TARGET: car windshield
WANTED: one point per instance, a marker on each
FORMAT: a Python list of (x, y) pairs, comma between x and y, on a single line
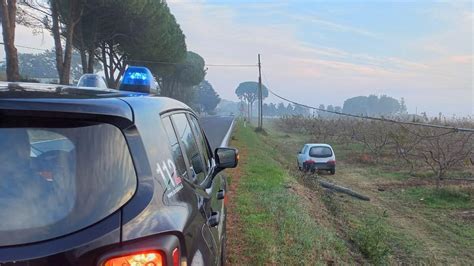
[(320, 152), (54, 181)]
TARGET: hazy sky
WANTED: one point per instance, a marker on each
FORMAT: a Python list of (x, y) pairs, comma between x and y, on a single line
[(325, 52)]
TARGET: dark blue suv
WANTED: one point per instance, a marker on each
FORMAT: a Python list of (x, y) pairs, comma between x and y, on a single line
[(107, 177)]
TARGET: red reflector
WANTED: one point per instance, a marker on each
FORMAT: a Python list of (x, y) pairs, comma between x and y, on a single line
[(176, 257), (331, 162), (138, 259)]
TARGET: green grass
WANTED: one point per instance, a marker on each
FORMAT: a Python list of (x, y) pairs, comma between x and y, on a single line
[(396, 227), (371, 236), (277, 229), (442, 198)]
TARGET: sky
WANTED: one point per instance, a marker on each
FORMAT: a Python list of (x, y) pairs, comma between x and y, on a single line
[(323, 52)]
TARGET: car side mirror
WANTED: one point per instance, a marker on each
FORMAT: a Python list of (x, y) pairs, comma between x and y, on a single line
[(226, 158)]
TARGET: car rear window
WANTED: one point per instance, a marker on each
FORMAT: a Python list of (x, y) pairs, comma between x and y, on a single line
[(320, 152), (57, 180)]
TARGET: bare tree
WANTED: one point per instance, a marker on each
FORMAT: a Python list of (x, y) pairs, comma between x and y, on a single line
[(446, 151), (8, 12), (374, 135)]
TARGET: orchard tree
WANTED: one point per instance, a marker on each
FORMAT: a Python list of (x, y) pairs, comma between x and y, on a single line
[(248, 91)]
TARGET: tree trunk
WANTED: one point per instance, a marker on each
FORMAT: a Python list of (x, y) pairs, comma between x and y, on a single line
[(326, 184), (90, 61), (8, 9), (65, 78), (248, 111), (57, 37), (105, 64), (82, 51)]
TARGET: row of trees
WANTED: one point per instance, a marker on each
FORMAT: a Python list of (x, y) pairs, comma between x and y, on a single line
[(274, 110), (360, 105), (416, 147), (373, 105), (114, 33)]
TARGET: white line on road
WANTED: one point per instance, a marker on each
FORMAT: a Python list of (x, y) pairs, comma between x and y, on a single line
[(225, 141)]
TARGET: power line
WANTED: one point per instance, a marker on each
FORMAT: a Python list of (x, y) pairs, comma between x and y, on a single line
[(27, 47), (183, 64), (370, 117), (150, 61)]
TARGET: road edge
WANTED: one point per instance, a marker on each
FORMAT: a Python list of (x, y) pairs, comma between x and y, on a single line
[(225, 141)]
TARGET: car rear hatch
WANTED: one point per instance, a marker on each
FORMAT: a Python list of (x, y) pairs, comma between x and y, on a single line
[(65, 172), (320, 154)]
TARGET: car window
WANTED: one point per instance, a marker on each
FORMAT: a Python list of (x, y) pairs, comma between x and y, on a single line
[(175, 149), (305, 149), (201, 140), (54, 181), (185, 135), (320, 152)]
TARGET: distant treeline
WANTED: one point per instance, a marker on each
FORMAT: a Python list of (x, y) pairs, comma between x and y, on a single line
[(361, 105)]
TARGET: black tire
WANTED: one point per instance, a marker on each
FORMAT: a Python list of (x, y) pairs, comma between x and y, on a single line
[(299, 167), (332, 171)]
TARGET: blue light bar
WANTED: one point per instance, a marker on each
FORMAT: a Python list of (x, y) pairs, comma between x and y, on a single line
[(138, 79)]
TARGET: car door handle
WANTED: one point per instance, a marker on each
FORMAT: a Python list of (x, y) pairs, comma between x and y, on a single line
[(213, 220), (221, 194)]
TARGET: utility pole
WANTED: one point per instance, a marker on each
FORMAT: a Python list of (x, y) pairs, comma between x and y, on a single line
[(260, 98)]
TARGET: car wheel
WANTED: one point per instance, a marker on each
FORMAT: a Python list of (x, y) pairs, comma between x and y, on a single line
[(299, 167), (332, 171)]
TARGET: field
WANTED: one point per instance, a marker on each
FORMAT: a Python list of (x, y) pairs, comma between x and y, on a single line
[(279, 215)]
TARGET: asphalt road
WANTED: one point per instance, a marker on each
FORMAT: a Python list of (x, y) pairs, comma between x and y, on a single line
[(216, 128)]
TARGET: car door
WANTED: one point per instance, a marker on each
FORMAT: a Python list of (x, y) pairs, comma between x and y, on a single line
[(301, 155), (198, 175), (215, 186)]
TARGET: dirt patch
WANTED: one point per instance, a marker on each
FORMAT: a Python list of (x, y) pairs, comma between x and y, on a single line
[(234, 229), (466, 215), (424, 183), (312, 202)]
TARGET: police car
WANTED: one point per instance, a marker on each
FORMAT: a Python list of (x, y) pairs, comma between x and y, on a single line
[(107, 177)]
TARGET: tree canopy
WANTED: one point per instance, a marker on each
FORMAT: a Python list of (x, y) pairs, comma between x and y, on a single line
[(116, 32), (179, 80), (248, 91), (207, 98), (372, 105)]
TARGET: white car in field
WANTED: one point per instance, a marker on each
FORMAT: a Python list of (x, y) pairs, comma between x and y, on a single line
[(317, 156)]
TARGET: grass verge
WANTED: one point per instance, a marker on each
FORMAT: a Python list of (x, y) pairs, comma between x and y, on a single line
[(275, 225)]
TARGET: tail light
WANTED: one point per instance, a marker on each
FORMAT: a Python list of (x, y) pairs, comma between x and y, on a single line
[(332, 162), (138, 259), (155, 258), (176, 257)]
